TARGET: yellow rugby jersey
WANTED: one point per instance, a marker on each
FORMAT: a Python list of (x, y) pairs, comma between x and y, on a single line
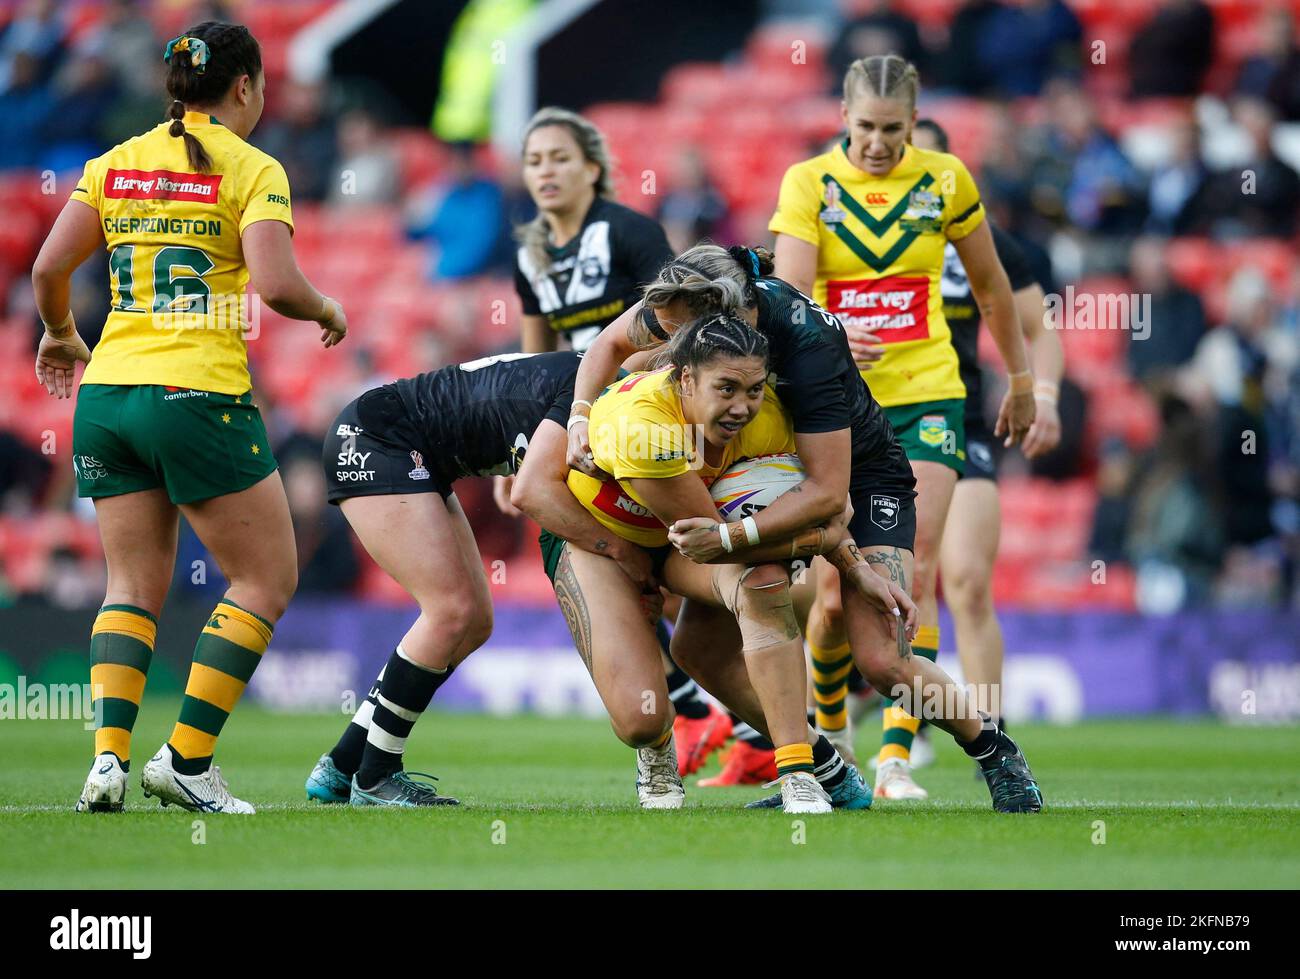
[(880, 243), (637, 431), (176, 263)]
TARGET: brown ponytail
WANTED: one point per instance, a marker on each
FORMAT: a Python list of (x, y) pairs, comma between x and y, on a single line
[(199, 159)]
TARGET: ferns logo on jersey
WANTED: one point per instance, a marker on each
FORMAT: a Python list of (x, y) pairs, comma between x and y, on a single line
[(884, 511), (896, 308), (161, 185)]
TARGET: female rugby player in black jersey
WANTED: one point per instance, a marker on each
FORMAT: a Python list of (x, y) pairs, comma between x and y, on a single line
[(390, 460), (848, 450)]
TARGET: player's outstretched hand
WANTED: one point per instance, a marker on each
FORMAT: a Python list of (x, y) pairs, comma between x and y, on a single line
[(334, 325), (887, 598), (501, 496), (1015, 417), (696, 538), (56, 363), (1044, 434)]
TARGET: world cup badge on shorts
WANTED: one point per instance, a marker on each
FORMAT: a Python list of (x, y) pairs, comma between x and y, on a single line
[(884, 511), (832, 213), (933, 429), (419, 472)]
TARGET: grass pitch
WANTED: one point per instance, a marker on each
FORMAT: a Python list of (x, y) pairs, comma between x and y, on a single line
[(551, 803)]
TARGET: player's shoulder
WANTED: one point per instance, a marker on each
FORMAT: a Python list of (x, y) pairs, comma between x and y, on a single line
[(937, 163), (623, 218), (251, 159)]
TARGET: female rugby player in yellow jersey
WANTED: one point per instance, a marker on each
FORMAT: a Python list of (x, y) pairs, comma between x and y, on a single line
[(862, 229), (165, 421), (664, 435)]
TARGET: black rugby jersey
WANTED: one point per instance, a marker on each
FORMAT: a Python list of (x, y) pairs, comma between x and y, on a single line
[(476, 418), (963, 315), (597, 275), (816, 378)]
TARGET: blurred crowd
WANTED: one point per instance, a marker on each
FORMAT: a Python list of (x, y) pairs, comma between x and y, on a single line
[(1099, 182)]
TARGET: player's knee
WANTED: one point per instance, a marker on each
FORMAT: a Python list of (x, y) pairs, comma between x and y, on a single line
[(457, 619), (763, 609), (882, 667), (830, 606), (638, 730), (967, 592), (269, 592)]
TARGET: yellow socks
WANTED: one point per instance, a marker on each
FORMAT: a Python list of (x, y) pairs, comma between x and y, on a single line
[(121, 646), (227, 653), (830, 673)]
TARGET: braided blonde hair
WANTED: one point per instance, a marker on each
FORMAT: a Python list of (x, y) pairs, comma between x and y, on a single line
[(888, 76)]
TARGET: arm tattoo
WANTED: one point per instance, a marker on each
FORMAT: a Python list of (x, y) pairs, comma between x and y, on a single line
[(574, 606)]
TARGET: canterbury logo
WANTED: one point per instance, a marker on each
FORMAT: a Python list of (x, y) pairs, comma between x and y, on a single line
[(216, 620), (876, 200)]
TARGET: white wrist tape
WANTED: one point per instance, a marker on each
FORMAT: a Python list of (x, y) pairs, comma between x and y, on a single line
[(751, 530), (725, 536)]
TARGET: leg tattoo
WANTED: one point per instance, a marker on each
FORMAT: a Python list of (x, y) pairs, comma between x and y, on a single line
[(574, 606)]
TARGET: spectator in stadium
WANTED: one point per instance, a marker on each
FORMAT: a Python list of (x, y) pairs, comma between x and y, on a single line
[(1173, 536), (369, 172), (693, 209), (25, 104), (327, 561), (1115, 474), (1177, 318), (1174, 184), (461, 217), (873, 28), (39, 32), (1022, 45), (1171, 53), (1274, 73), (960, 68), (1245, 367), (125, 38), (1078, 173), (24, 474), (305, 139), (74, 130), (1259, 197)]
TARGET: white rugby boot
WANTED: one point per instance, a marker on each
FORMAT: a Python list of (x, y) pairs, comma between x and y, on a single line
[(197, 793), (658, 783), (105, 789), (801, 794), (894, 781)]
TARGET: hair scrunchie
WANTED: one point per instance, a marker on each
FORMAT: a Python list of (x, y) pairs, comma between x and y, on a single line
[(748, 261), (193, 46)]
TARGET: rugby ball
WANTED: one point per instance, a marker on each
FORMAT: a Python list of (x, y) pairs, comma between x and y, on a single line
[(751, 485)]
